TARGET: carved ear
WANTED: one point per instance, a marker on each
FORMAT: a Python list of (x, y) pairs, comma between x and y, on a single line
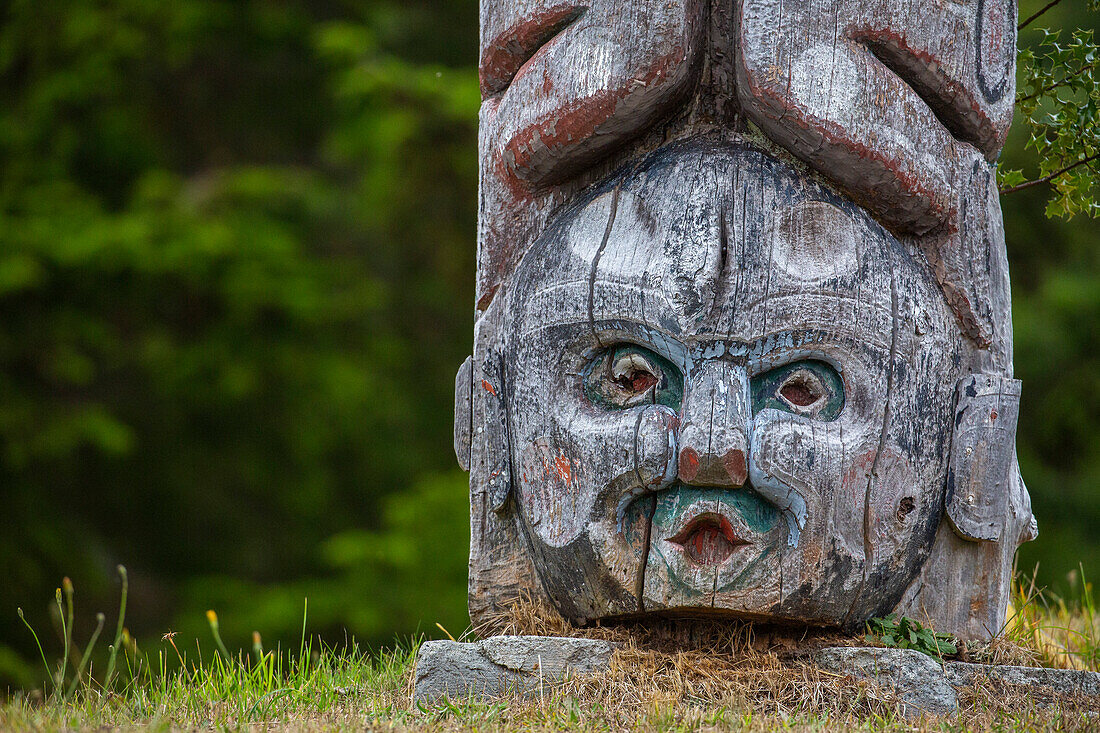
[(491, 454), (464, 412), (982, 471), (1029, 527), (481, 427)]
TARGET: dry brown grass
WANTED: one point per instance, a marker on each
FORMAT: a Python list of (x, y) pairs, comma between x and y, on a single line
[(690, 667), (673, 662)]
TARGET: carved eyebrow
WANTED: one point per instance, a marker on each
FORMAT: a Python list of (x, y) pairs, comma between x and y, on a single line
[(513, 47), (566, 304), (949, 101)]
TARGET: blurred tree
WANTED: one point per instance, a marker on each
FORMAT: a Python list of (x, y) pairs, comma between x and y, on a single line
[(235, 257), (1058, 108), (1051, 162)]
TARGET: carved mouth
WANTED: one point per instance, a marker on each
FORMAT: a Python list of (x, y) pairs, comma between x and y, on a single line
[(708, 539)]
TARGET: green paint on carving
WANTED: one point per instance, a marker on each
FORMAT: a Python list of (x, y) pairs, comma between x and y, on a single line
[(745, 575), (758, 513), (676, 584), (619, 392), (809, 380)]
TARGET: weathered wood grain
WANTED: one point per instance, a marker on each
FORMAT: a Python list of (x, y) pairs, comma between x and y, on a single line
[(739, 263), (564, 85)]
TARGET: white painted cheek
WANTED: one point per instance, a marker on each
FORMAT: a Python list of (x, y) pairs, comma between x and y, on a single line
[(552, 491), (606, 461), (799, 465), (772, 472)]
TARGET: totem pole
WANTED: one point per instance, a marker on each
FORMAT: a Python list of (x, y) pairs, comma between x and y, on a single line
[(743, 343)]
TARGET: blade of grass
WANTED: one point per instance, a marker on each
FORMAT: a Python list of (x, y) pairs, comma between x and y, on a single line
[(108, 679), (100, 618), (19, 612), (305, 615), (66, 628), (212, 619)]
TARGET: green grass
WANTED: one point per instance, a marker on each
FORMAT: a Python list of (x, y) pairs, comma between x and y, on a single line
[(316, 687), (356, 691), (322, 689), (1059, 631)]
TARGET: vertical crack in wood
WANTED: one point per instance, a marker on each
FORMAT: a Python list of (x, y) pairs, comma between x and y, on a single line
[(722, 287), (712, 450), (639, 581), (714, 586), (499, 499), (596, 262), (517, 506), (723, 251), (710, 420), (887, 414), (832, 74), (647, 538)]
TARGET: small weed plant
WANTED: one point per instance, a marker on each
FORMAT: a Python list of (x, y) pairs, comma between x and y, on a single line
[(902, 632)]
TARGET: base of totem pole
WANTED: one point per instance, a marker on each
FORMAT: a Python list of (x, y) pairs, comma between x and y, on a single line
[(527, 666)]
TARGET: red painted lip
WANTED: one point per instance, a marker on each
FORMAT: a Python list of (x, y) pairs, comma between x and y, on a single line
[(708, 539)]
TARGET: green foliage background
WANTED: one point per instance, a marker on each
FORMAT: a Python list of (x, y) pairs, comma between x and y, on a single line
[(236, 269)]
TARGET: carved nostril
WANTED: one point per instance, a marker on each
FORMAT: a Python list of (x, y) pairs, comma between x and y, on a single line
[(734, 461), (688, 465)]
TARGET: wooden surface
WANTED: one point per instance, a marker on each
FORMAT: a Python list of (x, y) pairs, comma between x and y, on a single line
[(740, 267)]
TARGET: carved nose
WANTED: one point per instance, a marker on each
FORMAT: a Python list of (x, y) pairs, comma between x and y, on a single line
[(710, 469), (715, 427)]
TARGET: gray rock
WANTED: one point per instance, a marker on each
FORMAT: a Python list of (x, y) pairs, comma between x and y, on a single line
[(503, 665), (927, 686), (916, 678), (1057, 681)]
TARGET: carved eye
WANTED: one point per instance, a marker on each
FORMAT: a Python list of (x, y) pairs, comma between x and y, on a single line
[(628, 375), (811, 388)]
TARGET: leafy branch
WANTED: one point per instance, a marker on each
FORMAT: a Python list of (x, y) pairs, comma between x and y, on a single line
[(1037, 14), (1092, 5), (1050, 177), (1059, 103)]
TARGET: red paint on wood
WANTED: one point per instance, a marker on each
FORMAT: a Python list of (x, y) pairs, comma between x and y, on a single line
[(567, 131), (563, 469), (734, 461), (510, 51), (689, 465)]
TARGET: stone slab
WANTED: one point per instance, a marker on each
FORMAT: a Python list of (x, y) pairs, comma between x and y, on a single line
[(503, 665), (928, 686), (522, 665), (917, 679)]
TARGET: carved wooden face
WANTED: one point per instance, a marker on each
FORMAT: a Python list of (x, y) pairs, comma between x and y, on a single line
[(727, 388)]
